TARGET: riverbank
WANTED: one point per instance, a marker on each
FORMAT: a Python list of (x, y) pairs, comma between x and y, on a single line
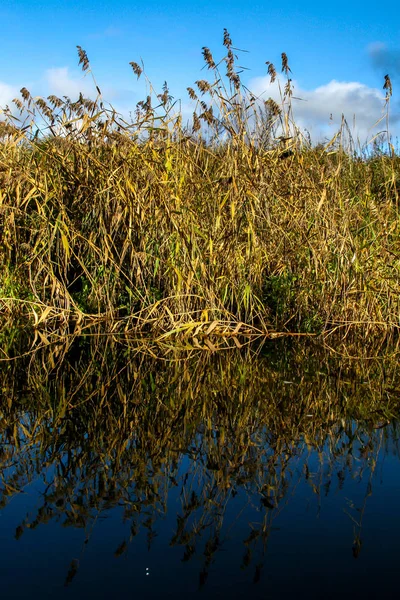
[(159, 226)]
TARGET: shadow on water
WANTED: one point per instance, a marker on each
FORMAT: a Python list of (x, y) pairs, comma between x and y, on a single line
[(230, 474)]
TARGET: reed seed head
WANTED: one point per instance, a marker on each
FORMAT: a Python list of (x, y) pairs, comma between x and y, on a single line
[(285, 66), (208, 58), (25, 94), (55, 101), (387, 86), (83, 59), (227, 39), (46, 110), (288, 88), (203, 86), (165, 97), (136, 69), (271, 71), (18, 104), (272, 107), (192, 93), (196, 126), (208, 116)]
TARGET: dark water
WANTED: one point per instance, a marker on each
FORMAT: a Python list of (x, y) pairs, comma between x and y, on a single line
[(222, 476)]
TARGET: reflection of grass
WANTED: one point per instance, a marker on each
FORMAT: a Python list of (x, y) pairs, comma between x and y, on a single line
[(115, 426), (236, 217)]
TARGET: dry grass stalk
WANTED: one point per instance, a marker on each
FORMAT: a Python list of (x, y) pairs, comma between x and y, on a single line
[(235, 214)]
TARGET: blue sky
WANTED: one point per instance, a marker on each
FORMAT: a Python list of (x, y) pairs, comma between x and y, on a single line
[(338, 52)]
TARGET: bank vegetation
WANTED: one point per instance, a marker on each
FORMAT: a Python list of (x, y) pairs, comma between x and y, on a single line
[(233, 220)]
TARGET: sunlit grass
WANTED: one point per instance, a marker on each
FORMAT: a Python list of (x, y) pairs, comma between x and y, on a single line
[(157, 226)]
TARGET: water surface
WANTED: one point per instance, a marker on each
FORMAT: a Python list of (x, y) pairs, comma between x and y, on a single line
[(268, 475)]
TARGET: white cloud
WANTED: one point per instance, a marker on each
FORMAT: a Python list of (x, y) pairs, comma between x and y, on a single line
[(62, 83), (320, 110), (7, 93)]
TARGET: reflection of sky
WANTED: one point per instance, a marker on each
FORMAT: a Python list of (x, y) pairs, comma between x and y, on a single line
[(308, 549)]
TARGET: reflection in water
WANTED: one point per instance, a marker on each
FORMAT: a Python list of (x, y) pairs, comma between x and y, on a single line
[(220, 472)]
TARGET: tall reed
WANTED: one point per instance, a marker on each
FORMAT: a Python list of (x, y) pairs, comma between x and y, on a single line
[(157, 225)]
